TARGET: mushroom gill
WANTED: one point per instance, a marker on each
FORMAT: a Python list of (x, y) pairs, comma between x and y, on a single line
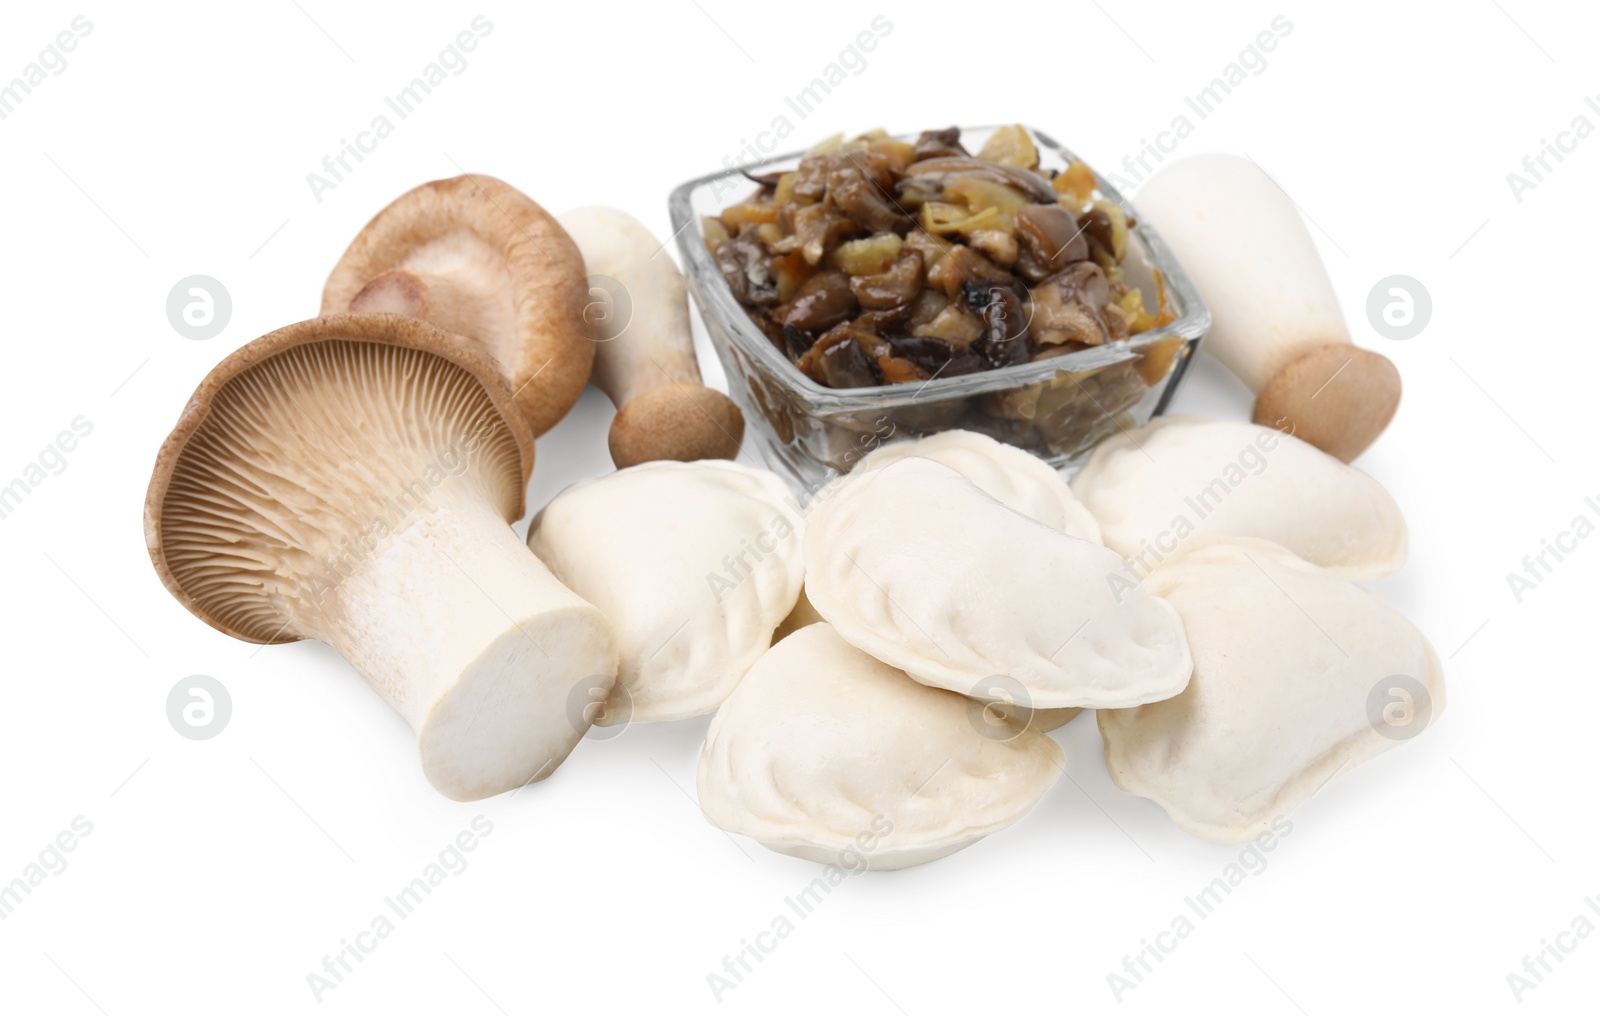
[(309, 458), (352, 479)]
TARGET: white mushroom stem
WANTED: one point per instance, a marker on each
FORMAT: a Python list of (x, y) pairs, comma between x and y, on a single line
[(1276, 321), (352, 479), (644, 360), (473, 641), (1241, 239)]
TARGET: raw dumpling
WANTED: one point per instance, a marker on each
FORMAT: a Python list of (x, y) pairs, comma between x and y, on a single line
[(1020, 481), (1155, 487), (694, 564), (921, 569), (1298, 675), (823, 752)]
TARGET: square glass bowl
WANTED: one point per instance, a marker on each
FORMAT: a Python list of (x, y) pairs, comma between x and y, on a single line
[(1058, 408)]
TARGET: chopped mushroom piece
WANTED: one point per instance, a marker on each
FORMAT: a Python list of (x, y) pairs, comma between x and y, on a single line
[(896, 286), (845, 365), (1070, 307), (1049, 239), (859, 197), (1005, 325), (939, 144), (819, 229), (747, 268), (955, 324), (936, 356), (950, 168), (822, 302), (964, 265), (1011, 146), (998, 245), (838, 361), (352, 479)]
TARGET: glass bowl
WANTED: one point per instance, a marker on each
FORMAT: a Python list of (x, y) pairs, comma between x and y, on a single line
[(1058, 408)]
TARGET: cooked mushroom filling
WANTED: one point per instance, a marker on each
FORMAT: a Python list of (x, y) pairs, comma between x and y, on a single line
[(879, 261)]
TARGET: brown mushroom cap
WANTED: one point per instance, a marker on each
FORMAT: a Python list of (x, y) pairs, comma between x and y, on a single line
[(679, 422), (476, 256), (296, 447), (1338, 397)]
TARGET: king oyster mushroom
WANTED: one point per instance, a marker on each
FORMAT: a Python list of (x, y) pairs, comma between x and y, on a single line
[(478, 257), (351, 479)]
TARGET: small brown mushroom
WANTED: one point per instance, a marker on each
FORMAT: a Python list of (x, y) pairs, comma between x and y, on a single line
[(477, 257), (646, 363)]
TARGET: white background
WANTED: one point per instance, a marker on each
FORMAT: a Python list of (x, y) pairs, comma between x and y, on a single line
[(219, 873)]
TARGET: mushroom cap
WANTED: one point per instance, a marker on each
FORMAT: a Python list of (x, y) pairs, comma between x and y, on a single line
[(505, 255), (1338, 397), (678, 422), (259, 474)]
